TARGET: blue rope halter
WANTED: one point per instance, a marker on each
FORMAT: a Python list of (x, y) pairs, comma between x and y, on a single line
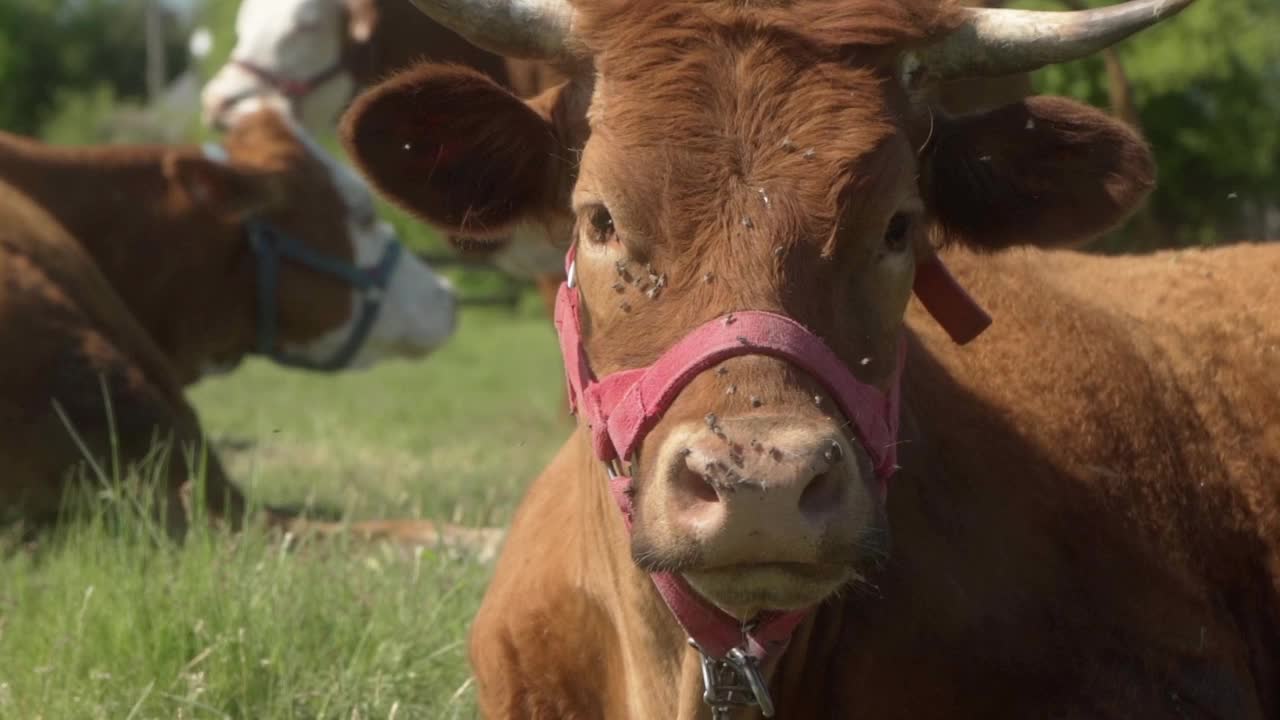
[(271, 246)]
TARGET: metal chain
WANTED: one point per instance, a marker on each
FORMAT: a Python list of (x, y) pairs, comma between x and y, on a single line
[(732, 682)]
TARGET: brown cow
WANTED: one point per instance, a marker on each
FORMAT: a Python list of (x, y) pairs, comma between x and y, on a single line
[(1083, 504), (144, 266)]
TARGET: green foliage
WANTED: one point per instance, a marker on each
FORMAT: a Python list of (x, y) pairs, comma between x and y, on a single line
[(52, 48), (458, 437), (1206, 85), (97, 115), (220, 17), (111, 620)]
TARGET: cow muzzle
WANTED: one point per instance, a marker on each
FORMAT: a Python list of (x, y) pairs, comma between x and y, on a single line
[(774, 509)]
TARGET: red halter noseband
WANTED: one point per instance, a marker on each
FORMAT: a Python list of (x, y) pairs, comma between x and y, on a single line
[(294, 90), (622, 408), (290, 88)]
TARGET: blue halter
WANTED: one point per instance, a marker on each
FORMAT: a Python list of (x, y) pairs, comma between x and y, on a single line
[(270, 246)]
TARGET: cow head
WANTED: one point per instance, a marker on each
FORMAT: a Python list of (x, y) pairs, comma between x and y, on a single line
[(721, 157), (293, 49), (315, 240)]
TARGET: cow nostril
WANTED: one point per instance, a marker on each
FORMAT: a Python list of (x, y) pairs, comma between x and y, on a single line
[(822, 493), (697, 484)]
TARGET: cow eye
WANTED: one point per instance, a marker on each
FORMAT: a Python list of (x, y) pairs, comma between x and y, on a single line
[(895, 236), (601, 224)]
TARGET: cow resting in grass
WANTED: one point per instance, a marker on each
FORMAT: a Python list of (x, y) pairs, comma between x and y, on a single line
[(783, 459), (128, 272)]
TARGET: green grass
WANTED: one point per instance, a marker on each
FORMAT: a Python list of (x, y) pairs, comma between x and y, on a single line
[(103, 620), (455, 436)]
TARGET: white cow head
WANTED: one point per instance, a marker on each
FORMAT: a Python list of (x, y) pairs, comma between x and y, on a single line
[(409, 312), (292, 49)]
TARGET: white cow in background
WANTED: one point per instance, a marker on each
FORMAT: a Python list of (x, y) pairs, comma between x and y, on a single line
[(313, 55)]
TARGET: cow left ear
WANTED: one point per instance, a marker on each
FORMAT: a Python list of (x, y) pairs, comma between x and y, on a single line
[(1043, 171), (225, 191), (362, 16), (449, 145)]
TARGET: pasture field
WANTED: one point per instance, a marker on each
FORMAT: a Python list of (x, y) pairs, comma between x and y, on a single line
[(102, 621)]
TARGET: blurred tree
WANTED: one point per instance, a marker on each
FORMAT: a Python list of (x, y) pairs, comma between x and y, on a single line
[(220, 17), (1206, 90), (51, 49)]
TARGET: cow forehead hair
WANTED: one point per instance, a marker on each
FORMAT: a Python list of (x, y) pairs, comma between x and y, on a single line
[(710, 119), (637, 29)]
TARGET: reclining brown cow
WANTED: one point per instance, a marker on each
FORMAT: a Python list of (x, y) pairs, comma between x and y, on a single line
[(1083, 504), (150, 267)]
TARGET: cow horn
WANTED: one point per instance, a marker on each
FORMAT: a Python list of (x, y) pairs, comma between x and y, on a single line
[(996, 41), (525, 29)]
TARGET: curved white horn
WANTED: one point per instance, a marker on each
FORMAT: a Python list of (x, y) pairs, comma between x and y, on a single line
[(993, 42), (526, 29)]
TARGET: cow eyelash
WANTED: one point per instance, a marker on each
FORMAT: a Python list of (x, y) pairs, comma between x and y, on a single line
[(600, 225), (897, 234)]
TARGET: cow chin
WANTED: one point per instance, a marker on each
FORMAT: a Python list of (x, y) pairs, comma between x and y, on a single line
[(745, 591), (745, 588)]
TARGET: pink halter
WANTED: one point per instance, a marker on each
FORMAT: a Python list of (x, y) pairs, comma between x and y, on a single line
[(620, 409)]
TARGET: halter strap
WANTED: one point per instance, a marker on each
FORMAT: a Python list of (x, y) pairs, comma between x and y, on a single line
[(293, 89), (270, 247)]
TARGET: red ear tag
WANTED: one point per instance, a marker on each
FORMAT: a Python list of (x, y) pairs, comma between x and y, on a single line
[(954, 309)]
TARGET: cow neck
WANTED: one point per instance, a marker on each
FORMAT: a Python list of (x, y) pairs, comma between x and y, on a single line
[(117, 203)]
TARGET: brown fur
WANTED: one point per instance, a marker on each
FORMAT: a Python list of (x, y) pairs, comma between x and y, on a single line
[(1085, 522), (186, 219), (126, 270)]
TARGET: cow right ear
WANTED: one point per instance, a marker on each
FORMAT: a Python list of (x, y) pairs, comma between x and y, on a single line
[(455, 149), (1043, 171), (227, 192)]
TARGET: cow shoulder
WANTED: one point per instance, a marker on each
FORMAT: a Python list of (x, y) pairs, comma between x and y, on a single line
[(540, 631), (1107, 461)]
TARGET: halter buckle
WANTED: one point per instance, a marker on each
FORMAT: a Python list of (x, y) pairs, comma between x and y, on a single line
[(614, 469), (734, 681)]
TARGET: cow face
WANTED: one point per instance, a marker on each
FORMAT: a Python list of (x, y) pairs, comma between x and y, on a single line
[(292, 49), (725, 158), (269, 171)]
